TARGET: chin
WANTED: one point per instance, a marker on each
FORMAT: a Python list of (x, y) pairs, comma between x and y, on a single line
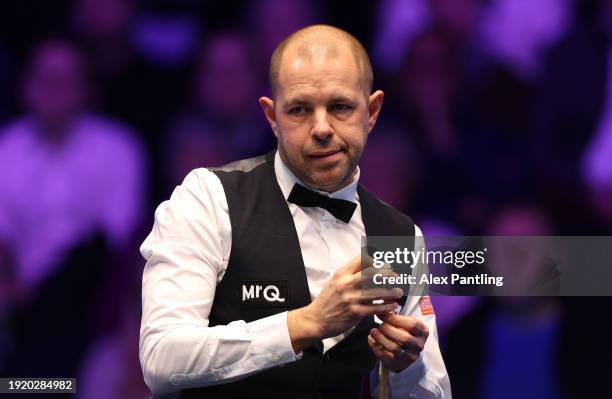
[(328, 183)]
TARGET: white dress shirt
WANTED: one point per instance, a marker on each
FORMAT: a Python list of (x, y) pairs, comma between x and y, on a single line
[(187, 253)]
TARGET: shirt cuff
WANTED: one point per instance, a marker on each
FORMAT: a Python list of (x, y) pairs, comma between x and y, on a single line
[(271, 341)]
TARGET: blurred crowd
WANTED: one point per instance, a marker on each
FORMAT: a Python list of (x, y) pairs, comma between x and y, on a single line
[(497, 120)]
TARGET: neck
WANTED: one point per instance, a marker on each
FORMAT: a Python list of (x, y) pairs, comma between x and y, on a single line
[(54, 130)]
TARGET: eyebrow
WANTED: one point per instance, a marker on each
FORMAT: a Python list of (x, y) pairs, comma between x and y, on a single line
[(295, 101), (339, 98)]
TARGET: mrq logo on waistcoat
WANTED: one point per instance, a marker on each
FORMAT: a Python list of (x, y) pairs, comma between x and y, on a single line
[(262, 293)]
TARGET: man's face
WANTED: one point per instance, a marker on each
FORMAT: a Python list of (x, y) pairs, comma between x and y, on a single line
[(321, 116), (224, 82), (54, 88)]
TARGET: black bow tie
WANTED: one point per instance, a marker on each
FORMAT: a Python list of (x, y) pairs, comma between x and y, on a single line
[(341, 209)]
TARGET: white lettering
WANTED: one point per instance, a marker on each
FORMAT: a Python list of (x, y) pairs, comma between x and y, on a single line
[(248, 293), (275, 296)]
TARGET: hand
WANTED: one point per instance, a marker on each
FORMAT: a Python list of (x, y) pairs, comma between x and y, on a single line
[(340, 305), (398, 341)]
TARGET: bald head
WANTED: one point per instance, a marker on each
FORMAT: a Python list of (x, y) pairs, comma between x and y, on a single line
[(319, 43)]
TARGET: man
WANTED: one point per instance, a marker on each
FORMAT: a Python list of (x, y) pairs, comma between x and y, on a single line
[(252, 283), (68, 172), (72, 184)]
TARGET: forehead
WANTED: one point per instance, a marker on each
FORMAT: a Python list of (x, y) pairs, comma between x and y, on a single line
[(319, 73)]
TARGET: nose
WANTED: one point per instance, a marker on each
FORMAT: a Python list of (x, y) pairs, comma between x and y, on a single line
[(322, 129)]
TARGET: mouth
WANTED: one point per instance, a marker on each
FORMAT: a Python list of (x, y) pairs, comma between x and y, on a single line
[(324, 155)]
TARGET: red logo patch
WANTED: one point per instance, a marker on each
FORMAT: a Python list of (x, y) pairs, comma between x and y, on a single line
[(426, 306)]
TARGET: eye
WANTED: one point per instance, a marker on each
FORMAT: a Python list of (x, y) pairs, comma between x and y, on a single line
[(300, 110), (341, 107)]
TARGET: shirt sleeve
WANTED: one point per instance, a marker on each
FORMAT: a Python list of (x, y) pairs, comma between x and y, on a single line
[(187, 253), (427, 377)]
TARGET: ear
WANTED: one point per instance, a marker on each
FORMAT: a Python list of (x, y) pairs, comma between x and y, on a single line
[(267, 106), (374, 105)]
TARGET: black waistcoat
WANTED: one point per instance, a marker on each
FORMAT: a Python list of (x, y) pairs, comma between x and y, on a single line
[(265, 247)]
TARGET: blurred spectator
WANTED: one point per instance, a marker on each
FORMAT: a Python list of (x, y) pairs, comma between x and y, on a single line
[(72, 193), (7, 300), (166, 32), (388, 168), (520, 278), (111, 368), (429, 82), (468, 161), (449, 309), (104, 28), (529, 347), (399, 22), (596, 163), (131, 83), (274, 20), (52, 329), (597, 159), (223, 122), (570, 111), (518, 32), (189, 147), (224, 85), (6, 103), (67, 172), (427, 87), (457, 18)]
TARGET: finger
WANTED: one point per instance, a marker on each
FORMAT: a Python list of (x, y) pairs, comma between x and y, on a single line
[(386, 343), (385, 271), (366, 262), (379, 278), (351, 286), (388, 358), (402, 338), (372, 294), (368, 310), (359, 280), (352, 267), (347, 280), (379, 351), (411, 324), (365, 278)]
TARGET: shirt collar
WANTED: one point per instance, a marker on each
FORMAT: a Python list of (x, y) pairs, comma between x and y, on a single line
[(286, 179)]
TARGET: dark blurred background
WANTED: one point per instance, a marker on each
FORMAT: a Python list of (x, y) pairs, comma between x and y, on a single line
[(497, 120)]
